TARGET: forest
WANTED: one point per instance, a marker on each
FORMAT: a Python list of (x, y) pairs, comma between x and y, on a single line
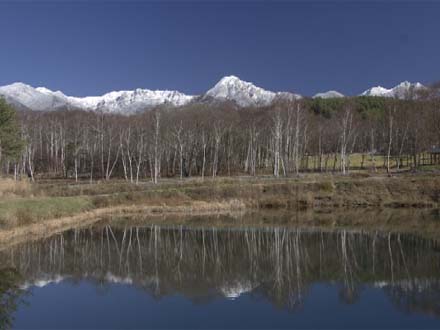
[(209, 140)]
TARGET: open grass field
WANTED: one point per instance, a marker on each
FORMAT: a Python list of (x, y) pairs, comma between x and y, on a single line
[(366, 162)]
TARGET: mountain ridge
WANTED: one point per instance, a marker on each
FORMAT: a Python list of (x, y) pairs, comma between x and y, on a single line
[(229, 88), (400, 91)]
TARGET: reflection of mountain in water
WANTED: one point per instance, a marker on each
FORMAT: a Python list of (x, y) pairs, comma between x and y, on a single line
[(202, 264)]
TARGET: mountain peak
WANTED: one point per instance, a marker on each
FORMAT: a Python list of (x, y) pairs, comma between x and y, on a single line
[(229, 88), (17, 86), (234, 81), (405, 83), (44, 99), (228, 79), (232, 88), (400, 91), (44, 90), (376, 91)]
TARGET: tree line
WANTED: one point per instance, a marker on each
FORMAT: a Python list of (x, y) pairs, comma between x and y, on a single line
[(286, 138)]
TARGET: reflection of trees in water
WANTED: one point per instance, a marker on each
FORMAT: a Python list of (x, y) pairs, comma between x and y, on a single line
[(10, 296), (416, 296), (279, 264)]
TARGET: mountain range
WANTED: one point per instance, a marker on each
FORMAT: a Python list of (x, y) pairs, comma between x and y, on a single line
[(229, 88)]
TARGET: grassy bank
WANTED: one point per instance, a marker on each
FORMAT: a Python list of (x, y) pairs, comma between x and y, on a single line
[(50, 199), (30, 210)]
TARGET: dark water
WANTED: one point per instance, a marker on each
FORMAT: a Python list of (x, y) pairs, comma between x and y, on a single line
[(116, 276)]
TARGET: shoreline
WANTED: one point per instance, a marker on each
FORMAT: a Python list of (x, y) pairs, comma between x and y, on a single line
[(423, 223), (71, 205), (53, 226)]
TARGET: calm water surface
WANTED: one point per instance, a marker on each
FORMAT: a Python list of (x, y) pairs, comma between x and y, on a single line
[(120, 276)]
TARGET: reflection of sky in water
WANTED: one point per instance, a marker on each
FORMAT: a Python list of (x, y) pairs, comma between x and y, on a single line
[(125, 306), (156, 277)]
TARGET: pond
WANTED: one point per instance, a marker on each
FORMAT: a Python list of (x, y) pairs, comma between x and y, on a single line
[(138, 275)]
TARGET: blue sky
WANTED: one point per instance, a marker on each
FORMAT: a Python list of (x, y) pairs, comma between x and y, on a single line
[(92, 47)]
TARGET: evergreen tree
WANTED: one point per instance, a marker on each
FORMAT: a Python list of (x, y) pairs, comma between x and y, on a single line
[(10, 141)]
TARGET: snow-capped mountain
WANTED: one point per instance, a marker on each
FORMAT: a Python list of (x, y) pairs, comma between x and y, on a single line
[(25, 96), (41, 99), (328, 95), (229, 89), (243, 93), (131, 101), (403, 90)]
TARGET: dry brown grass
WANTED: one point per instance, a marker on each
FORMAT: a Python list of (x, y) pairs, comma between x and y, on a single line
[(296, 193), (12, 188), (36, 230)]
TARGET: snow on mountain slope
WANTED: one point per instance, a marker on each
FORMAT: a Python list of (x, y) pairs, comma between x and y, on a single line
[(229, 88), (403, 90), (328, 95), (127, 102), (130, 101), (244, 93), (26, 96)]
